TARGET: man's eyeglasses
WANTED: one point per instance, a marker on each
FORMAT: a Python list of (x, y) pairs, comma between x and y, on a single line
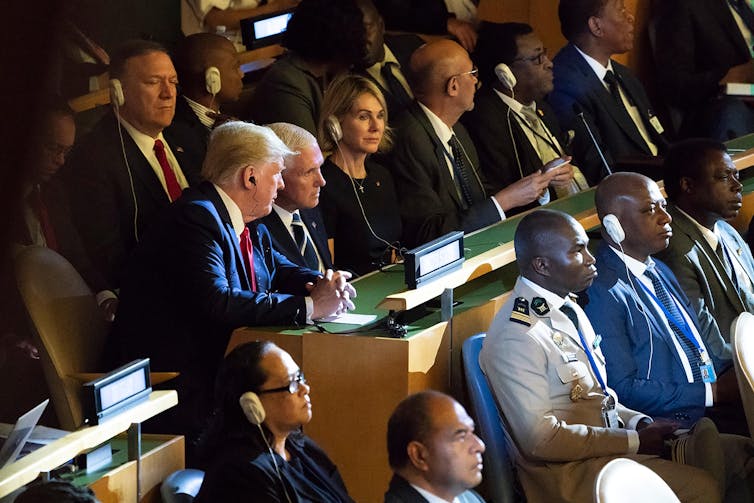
[(291, 388), (474, 72), (537, 60), (57, 150)]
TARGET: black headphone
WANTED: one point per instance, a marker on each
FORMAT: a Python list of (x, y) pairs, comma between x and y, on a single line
[(253, 180)]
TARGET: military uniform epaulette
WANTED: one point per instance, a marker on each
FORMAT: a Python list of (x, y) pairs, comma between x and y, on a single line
[(520, 312)]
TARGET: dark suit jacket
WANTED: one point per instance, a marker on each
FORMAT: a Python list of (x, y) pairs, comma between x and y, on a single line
[(487, 124), (615, 313), (400, 491), (55, 199), (429, 201), (287, 93), (615, 132), (701, 273), (187, 132), (284, 243), (420, 16), (697, 42), (186, 290), (102, 199)]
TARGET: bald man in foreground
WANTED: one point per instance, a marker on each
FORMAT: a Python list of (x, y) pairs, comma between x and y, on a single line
[(548, 377), (435, 163)]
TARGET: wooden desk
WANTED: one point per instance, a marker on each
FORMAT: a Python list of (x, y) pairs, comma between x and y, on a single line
[(357, 380), (51, 456)]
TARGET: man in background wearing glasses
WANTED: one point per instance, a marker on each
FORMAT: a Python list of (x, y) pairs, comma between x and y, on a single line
[(434, 162), (611, 98), (517, 135)]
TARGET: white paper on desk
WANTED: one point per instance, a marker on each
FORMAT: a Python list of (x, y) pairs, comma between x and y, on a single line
[(350, 319)]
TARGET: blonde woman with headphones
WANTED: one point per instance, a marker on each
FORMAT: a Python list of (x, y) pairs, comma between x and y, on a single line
[(359, 203), (254, 449)]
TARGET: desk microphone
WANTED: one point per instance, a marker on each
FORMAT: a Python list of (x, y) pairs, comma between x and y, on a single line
[(580, 113)]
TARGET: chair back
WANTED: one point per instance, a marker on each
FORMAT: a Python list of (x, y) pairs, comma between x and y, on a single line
[(498, 466), (182, 486), (742, 340), (623, 480), (70, 330)]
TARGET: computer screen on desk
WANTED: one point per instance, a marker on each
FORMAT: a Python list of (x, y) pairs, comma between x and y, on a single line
[(268, 29), (20, 434)]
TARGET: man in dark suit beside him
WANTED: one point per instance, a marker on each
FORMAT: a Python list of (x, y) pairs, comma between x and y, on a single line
[(611, 98), (713, 263), (433, 451), (295, 223), (210, 76), (434, 162), (699, 47), (126, 172), (516, 133), (663, 357), (208, 268)]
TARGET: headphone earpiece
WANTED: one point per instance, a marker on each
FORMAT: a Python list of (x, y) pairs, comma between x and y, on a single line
[(332, 124), (613, 228), (252, 407), (116, 93), (252, 180), (212, 80), (505, 76)]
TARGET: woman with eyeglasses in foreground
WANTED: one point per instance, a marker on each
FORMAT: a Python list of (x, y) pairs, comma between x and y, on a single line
[(254, 449)]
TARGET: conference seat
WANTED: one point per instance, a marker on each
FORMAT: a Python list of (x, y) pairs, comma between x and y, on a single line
[(742, 340), (499, 475), (623, 480)]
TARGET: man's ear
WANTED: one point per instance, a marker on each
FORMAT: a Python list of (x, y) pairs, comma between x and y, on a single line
[(541, 266), (686, 184), (417, 455), (248, 178), (451, 87), (595, 26)]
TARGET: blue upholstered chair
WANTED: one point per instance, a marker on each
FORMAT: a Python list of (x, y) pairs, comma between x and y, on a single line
[(498, 467), (182, 486)]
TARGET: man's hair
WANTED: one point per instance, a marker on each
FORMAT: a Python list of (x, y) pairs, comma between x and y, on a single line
[(236, 144), (295, 137), (131, 49), (340, 96), (688, 158), (411, 421), (327, 30), (534, 232), (497, 43), (192, 57), (574, 16), (56, 491)]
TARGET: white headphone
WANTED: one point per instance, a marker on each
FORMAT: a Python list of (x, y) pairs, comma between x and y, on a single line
[(613, 228), (252, 408), (332, 125), (212, 81), (116, 93), (505, 76)]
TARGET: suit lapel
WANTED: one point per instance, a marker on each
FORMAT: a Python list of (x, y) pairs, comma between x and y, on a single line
[(440, 154), (283, 238), (721, 14), (142, 171), (314, 224), (686, 226)]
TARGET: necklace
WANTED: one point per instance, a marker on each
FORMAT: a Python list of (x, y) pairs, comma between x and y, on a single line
[(360, 183)]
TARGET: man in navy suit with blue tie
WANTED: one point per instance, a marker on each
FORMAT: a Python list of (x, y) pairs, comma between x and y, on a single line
[(208, 268), (661, 357)]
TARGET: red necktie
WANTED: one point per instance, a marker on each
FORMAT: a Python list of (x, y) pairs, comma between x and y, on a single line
[(248, 256), (40, 211), (171, 182)]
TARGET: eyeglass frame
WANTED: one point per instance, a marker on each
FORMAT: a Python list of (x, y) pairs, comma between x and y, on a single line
[(538, 59), (292, 387), (474, 72)]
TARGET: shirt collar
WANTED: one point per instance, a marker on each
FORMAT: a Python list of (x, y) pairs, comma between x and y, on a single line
[(143, 141), (431, 498), (201, 112), (636, 267), (236, 218), (388, 59), (442, 130), (512, 103), (285, 215), (596, 66), (553, 300)]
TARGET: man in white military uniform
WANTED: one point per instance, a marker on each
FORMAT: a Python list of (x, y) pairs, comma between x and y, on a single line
[(542, 359)]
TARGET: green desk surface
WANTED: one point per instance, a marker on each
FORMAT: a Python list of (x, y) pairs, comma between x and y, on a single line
[(120, 457)]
